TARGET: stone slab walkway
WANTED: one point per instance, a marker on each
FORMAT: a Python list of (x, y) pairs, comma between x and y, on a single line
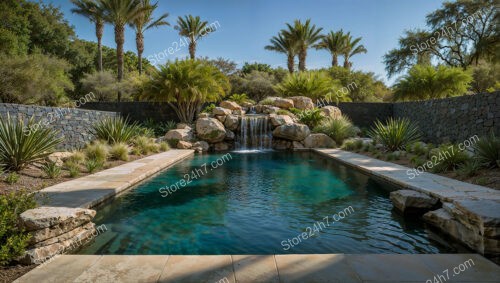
[(343, 268), (444, 188), (89, 191)]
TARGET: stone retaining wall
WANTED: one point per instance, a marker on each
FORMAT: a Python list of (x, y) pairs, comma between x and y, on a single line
[(137, 111), (72, 123)]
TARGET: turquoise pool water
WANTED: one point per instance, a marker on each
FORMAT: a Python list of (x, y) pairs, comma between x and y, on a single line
[(259, 203)]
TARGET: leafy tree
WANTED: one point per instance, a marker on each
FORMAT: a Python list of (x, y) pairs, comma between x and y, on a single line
[(194, 29), (351, 48), (427, 82), (34, 79), (90, 10), (103, 85), (335, 43), (14, 28), (120, 13), (261, 67), (359, 86), (186, 85), (486, 77), (226, 66), (304, 35), (459, 34), (144, 22), (286, 45), (257, 84)]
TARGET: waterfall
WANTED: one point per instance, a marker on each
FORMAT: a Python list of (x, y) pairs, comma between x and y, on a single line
[(255, 133)]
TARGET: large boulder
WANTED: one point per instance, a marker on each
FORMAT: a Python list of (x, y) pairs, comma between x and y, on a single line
[(413, 202), (319, 141), (266, 109), (184, 145), (183, 126), (230, 105), (283, 103), (230, 135), (302, 102), (210, 130), (280, 144), (221, 111), (185, 134), (201, 146), (278, 120), (232, 122), (331, 111), (221, 146), (294, 132)]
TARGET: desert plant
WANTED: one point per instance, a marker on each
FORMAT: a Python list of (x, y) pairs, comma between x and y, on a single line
[(240, 98), (487, 151), (51, 169), (209, 108), (93, 164), (119, 151), (313, 84), (469, 168), (267, 101), (159, 128), (78, 157), (13, 238), (97, 151), (417, 161), (311, 117), (115, 130), (448, 157), (395, 133), (12, 178), (73, 169), (144, 145), (163, 146), (348, 145), (337, 129), (24, 142)]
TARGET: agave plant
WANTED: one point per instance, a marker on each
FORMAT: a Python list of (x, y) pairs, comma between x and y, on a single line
[(115, 130), (487, 151), (395, 133), (24, 142)]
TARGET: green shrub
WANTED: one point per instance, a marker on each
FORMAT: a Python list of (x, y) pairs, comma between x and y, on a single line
[(311, 117), (313, 84), (417, 161), (395, 133), (77, 157), (240, 98), (51, 169), (267, 101), (448, 157), (209, 108), (348, 145), (13, 238), (12, 178), (338, 129), (73, 168), (97, 151), (295, 111), (159, 128), (163, 146), (119, 151), (144, 145), (418, 148), (115, 129), (24, 142), (487, 151), (93, 164), (469, 168)]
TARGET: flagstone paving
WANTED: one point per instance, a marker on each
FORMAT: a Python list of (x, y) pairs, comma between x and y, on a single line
[(93, 189), (343, 268)]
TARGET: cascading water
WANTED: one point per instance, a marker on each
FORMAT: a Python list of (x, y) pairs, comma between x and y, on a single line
[(255, 133)]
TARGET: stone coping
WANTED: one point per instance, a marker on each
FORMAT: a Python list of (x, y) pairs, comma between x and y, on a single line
[(91, 190), (343, 268), (446, 189)]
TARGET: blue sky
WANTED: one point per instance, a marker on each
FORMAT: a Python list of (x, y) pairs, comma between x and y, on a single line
[(247, 25)]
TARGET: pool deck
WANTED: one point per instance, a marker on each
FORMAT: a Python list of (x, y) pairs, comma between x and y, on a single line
[(91, 190), (446, 189), (343, 268)]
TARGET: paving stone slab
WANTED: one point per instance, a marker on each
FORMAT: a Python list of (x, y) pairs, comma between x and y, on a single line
[(255, 268), (191, 269)]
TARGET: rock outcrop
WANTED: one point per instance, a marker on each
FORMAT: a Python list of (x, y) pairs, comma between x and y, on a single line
[(302, 102), (293, 132), (331, 112), (185, 134), (319, 141), (210, 130)]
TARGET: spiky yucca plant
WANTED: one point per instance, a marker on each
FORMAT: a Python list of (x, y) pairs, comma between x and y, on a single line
[(115, 130), (395, 133), (487, 151), (24, 142)]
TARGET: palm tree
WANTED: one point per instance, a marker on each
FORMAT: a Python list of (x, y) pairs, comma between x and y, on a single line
[(89, 9), (351, 48), (192, 28), (305, 35), (335, 43), (286, 45), (144, 22), (120, 13)]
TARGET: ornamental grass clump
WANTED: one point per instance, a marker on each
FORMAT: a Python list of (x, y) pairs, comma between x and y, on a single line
[(119, 151), (337, 129), (97, 151), (395, 133), (23, 142)]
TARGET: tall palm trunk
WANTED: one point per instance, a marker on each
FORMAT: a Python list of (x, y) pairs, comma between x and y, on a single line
[(120, 40), (347, 65), (99, 30), (192, 49), (335, 60), (290, 62), (302, 60), (139, 41)]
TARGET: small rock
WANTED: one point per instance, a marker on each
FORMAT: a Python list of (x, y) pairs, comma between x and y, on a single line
[(221, 111), (283, 103), (230, 105), (185, 134), (59, 157), (413, 202), (184, 145), (221, 146)]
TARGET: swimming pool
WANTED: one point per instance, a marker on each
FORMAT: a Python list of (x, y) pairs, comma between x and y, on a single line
[(260, 203)]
